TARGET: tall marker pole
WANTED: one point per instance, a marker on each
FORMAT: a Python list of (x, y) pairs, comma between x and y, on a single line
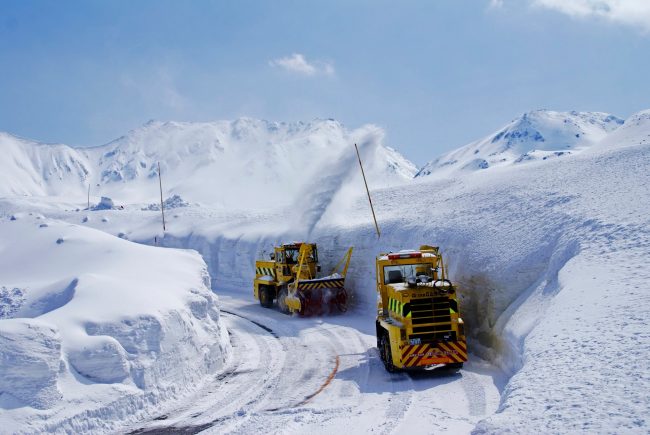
[(162, 207), (367, 191), (88, 196)]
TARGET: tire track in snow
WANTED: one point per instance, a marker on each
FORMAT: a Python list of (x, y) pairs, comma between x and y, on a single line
[(221, 397), (398, 401), (301, 367), (475, 394)]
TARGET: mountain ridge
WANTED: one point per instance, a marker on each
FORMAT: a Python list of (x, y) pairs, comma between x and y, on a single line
[(255, 160), (535, 135)]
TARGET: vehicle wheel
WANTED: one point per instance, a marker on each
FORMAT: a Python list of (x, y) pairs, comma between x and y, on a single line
[(455, 366), (266, 300), (282, 300), (386, 354)]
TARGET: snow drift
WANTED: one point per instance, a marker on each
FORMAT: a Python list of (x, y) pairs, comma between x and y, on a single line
[(95, 329)]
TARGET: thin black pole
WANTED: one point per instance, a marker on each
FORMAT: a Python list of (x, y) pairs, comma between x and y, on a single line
[(162, 207), (368, 192)]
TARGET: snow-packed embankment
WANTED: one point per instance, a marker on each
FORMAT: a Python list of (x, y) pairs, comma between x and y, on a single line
[(95, 330)]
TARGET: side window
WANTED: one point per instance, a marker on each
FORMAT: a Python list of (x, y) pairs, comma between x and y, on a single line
[(393, 274), (279, 257)]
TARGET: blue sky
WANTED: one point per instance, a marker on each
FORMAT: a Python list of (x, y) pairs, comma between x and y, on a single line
[(435, 74)]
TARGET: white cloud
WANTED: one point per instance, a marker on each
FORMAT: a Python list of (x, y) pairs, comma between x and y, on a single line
[(629, 12), (496, 3), (298, 64)]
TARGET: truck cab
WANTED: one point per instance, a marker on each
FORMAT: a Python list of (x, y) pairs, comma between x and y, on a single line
[(418, 322), (272, 275)]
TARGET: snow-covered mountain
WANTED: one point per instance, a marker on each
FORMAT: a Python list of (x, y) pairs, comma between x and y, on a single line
[(237, 162), (635, 131), (227, 163), (32, 168), (536, 135)]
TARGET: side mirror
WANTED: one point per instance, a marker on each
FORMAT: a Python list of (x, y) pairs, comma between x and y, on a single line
[(272, 255)]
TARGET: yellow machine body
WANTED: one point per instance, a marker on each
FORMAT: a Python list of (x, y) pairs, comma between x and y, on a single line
[(418, 324), (290, 278)]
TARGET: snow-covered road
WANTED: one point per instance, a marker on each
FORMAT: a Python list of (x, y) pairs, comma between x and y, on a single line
[(323, 375)]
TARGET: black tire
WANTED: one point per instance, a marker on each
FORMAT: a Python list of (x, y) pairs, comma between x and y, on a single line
[(386, 354), (266, 300), (282, 296), (455, 366)]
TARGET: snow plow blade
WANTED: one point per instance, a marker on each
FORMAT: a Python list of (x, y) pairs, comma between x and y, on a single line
[(321, 283), (311, 296)]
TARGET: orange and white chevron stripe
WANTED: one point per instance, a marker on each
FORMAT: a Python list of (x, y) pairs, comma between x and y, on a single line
[(439, 353)]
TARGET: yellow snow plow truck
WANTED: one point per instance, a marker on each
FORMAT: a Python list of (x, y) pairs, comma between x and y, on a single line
[(290, 277), (418, 320)]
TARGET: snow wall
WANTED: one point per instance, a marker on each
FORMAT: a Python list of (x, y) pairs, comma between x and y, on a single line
[(95, 330)]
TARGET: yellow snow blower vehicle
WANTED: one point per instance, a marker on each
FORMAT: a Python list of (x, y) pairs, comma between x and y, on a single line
[(290, 277), (418, 321)]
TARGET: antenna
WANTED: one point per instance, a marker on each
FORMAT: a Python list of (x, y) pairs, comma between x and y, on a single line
[(162, 207), (367, 191)]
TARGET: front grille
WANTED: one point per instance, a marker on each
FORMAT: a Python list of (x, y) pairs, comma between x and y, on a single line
[(430, 310), (437, 318), (434, 312), (432, 328)]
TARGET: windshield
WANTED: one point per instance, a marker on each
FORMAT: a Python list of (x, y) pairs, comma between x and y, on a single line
[(402, 272), (291, 255)]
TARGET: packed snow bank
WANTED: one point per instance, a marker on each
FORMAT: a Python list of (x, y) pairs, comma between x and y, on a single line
[(96, 329), (585, 366)]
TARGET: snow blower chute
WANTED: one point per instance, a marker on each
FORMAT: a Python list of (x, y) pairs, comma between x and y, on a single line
[(290, 277)]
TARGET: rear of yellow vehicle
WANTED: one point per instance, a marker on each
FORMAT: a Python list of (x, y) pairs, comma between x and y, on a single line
[(418, 320)]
